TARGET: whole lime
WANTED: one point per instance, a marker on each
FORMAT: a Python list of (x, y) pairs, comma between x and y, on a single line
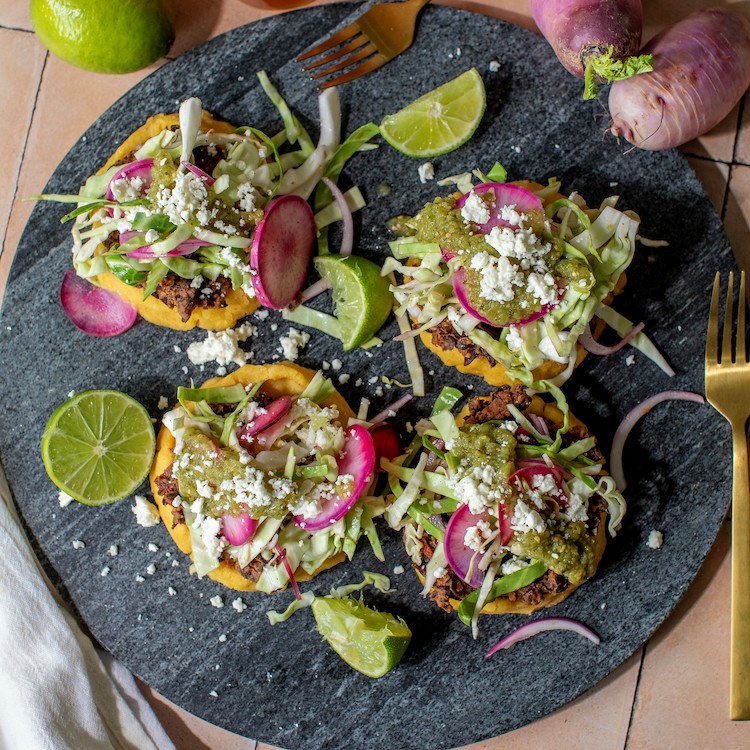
[(106, 36)]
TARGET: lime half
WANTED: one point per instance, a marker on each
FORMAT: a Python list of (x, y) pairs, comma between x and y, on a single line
[(361, 298), (370, 641), (98, 446), (439, 121)]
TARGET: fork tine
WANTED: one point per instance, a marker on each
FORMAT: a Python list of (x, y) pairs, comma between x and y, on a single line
[(355, 44), (726, 341), (740, 355), (347, 61), (340, 36), (372, 63), (712, 337)]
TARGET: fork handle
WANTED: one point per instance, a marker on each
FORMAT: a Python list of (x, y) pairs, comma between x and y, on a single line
[(739, 680)]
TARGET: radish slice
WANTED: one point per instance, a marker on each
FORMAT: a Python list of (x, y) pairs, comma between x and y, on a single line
[(458, 279), (527, 473), (184, 248), (459, 287), (141, 168), (198, 172), (282, 250), (539, 626), (385, 441), (458, 555), (523, 200), (594, 347), (274, 412), (347, 240), (358, 460), (93, 310), (631, 418), (238, 529), (282, 556)]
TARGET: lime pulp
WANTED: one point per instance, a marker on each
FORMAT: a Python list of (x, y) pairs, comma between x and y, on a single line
[(371, 642), (440, 121), (361, 296), (98, 446)]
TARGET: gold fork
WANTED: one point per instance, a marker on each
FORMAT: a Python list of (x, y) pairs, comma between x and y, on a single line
[(728, 391), (383, 32)]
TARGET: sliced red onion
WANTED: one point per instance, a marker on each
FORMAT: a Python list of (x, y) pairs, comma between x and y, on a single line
[(282, 556), (539, 626), (277, 409), (141, 168), (94, 310), (198, 172), (540, 423), (462, 558), (506, 194), (238, 529), (358, 460), (391, 410), (630, 420), (320, 286), (184, 248), (269, 436), (347, 239), (590, 344)]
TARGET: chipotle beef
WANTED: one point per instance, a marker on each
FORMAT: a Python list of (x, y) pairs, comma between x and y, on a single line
[(447, 338), (176, 292)]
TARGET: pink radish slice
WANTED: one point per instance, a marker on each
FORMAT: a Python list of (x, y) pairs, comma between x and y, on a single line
[(238, 529), (282, 556), (269, 436), (458, 279), (358, 460), (458, 555), (198, 172), (274, 412), (184, 248), (282, 250), (527, 473), (523, 200), (93, 310), (141, 168)]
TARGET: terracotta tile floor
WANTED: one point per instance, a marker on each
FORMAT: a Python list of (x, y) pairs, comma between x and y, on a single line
[(672, 694)]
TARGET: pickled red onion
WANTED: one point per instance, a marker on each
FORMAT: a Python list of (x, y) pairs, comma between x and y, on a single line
[(539, 626)]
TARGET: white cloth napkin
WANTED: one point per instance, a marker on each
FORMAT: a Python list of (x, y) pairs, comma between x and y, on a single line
[(57, 692)]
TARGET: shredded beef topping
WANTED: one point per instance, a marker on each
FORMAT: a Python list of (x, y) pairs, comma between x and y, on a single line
[(448, 586), (447, 337), (168, 488), (252, 571), (549, 583), (482, 409), (176, 292), (206, 158)]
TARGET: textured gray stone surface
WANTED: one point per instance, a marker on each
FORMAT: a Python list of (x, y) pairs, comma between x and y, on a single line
[(283, 685)]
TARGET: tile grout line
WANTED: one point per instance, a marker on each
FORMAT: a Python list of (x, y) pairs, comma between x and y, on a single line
[(23, 154), (14, 28), (635, 696), (735, 147)]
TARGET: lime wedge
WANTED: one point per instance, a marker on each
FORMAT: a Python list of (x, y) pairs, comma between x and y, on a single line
[(440, 121), (370, 641), (98, 446), (361, 298)]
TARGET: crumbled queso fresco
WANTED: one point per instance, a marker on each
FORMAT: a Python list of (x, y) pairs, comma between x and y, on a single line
[(222, 347), (655, 539), (146, 513)]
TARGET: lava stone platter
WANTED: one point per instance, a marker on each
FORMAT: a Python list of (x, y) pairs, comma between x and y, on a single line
[(282, 684)]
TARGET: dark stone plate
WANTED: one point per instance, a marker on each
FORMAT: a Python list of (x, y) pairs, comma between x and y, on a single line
[(284, 685)]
